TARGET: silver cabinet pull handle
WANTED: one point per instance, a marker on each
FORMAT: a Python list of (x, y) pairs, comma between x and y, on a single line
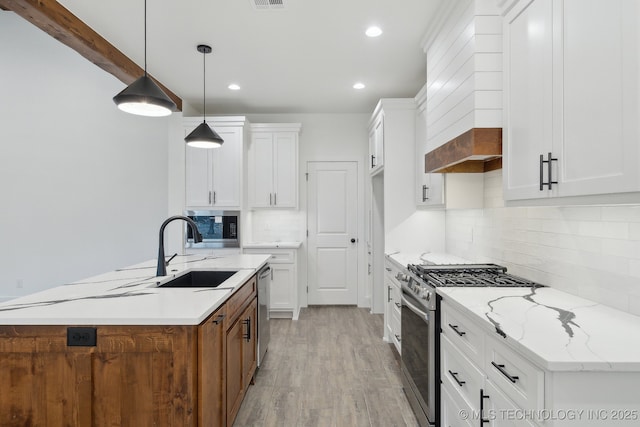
[(270, 199), (275, 198), (214, 197), (209, 197)]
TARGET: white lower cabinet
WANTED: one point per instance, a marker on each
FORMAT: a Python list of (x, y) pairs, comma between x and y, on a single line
[(496, 384), (482, 375), (393, 304), (283, 294)]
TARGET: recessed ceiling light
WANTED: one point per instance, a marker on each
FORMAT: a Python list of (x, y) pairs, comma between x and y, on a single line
[(373, 31), (234, 86), (359, 86)]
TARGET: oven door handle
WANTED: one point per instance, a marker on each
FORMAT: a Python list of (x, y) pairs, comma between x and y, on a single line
[(415, 309)]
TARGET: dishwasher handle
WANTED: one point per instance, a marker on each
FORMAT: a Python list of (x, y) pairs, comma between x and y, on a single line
[(264, 273)]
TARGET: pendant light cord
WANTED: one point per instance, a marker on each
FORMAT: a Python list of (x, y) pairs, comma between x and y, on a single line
[(145, 37), (204, 86)]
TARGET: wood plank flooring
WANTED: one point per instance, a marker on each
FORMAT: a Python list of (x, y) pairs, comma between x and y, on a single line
[(329, 368)]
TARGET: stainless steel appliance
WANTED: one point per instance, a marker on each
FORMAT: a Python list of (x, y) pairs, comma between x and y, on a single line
[(420, 323), (264, 333), (219, 229)]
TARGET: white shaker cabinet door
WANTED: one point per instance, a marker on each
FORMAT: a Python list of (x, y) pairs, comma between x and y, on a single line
[(528, 35), (227, 169), (600, 93), (285, 178), (282, 295), (198, 191), (261, 170)]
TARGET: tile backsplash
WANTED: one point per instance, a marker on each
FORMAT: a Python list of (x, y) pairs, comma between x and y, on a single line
[(275, 226), (590, 251)]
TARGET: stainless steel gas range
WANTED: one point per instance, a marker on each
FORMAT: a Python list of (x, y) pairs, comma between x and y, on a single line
[(420, 320)]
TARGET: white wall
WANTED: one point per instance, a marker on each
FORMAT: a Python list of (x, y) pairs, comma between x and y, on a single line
[(83, 186), (591, 251), (324, 137)]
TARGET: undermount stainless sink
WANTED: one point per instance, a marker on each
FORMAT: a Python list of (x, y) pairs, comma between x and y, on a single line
[(199, 279)]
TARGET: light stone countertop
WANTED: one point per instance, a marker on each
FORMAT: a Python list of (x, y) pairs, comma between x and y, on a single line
[(556, 330), (130, 296), (272, 245)]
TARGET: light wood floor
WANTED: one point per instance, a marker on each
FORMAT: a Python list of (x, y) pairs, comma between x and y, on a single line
[(329, 368)]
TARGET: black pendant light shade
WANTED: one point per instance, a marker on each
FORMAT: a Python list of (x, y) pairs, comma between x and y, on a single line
[(203, 136), (144, 98)]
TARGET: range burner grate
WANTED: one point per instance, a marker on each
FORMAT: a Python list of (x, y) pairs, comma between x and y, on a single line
[(469, 275)]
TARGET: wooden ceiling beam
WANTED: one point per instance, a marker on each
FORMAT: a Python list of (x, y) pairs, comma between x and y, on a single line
[(51, 17)]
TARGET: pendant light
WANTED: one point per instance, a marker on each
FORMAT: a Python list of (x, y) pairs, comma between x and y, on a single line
[(144, 97), (203, 136)]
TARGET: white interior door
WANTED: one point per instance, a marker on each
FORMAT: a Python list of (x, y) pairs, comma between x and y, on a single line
[(332, 223)]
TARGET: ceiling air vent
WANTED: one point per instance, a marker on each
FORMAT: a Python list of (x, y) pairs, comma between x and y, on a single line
[(267, 4)]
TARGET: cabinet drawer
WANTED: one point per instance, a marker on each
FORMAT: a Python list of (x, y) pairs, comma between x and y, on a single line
[(460, 373), (463, 333), (500, 410), (452, 407), (518, 378), (240, 299), (396, 332), (278, 256)]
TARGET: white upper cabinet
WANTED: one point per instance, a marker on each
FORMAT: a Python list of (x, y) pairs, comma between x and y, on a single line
[(273, 166), (214, 176), (376, 143), (571, 98), (429, 189)]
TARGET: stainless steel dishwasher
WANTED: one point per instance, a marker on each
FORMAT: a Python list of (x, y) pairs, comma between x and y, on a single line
[(264, 283)]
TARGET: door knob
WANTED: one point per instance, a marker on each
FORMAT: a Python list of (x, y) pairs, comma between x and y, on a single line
[(353, 240)]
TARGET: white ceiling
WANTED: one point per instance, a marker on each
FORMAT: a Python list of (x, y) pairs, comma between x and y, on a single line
[(304, 58)]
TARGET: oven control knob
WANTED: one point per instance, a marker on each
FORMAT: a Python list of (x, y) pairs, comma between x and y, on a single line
[(426, 295)]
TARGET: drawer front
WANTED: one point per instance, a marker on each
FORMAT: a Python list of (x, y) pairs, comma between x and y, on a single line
[(463, 333), (454, 411), (278, 256), (460, 373), (240, 299), (396, 332), (518, 378), (501, 411)]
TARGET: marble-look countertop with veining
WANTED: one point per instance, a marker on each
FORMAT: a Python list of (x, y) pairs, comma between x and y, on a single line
[(131, 296), (554, 329)]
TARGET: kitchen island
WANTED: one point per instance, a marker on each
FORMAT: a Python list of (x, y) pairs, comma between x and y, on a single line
[(117, 349)]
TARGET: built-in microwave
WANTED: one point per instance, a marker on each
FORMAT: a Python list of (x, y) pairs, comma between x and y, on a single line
[(219, 229)]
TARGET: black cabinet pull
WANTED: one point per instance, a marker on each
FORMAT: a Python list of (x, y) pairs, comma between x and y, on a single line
[(549, 171), (219, 319), (388, 293), (398, 304), (373, 158), (247, 322), (397, 337), (454, 375), (482, 418), (455, 329), (500, 368), (424, 193)]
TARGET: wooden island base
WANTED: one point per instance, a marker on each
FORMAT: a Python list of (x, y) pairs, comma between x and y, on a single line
[(135, 375)]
